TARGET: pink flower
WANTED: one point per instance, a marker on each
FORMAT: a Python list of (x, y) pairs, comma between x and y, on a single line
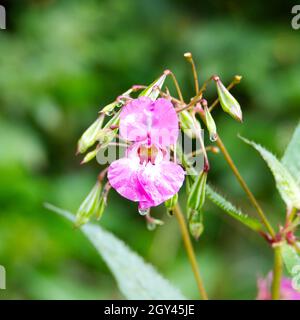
[(146, 175), (287, 292)]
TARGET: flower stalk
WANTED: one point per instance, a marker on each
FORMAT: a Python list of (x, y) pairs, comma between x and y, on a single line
[(190, 251)]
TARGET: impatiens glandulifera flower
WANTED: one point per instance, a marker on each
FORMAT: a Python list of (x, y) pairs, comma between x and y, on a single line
[(287, 292), (227, 101), (146, 175)]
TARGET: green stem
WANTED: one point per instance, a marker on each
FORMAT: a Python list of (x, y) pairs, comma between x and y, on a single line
[(245, 187), (277, 273), (190, 250)]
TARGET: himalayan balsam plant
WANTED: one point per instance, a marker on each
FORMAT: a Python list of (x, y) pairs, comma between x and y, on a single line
[(148, 121)]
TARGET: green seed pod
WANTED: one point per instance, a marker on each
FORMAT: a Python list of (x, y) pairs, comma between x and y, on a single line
[(189, 124), (90, 156), (89, 137), (101, 208), (196, 226), (228, 102), (171, 203), (211, 126), (196, 197), (89, 206), (109, 109), (152, 91)]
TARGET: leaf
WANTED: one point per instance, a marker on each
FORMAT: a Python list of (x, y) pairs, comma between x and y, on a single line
[(286, 185), (136, 279), (229, 208), (291, 157), (291, 258)]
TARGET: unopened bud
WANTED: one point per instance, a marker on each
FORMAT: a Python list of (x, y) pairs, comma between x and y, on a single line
[(228, 102), (89, 206), (196, 196), (89, 137)]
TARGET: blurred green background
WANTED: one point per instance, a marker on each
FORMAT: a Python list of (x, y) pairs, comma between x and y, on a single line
[(60, 61)]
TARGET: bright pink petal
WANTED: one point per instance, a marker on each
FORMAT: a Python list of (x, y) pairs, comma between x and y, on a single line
[(143, 118), (134, 118), (164, 129), (160, 182)]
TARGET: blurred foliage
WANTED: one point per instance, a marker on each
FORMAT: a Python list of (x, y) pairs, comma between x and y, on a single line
[(63, 60)]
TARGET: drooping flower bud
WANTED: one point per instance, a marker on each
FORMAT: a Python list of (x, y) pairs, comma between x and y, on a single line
[(153, 90), (211, 126), (89, 137), (196, 226), (171, 203), (196, 197), (228, 102), (89, 206)]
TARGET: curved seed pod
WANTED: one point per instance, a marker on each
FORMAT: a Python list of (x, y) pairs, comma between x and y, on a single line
[(228, 102), (89, 137), (89, 206), (152, 91), (196, 197)]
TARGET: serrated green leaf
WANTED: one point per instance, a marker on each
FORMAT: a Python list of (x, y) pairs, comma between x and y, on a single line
[(136, 279), (230, 209), (286, 185), (291, 258), (291, 157)]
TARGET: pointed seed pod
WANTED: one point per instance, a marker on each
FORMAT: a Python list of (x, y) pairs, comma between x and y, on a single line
[(89, 206), (153, 90), (90, 156), (228, 102), (89, 137), (196, 197)]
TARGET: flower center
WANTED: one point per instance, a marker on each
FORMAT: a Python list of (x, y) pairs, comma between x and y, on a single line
[(148, 153)]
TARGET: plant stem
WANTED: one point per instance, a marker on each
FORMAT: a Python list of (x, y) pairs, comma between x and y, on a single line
[(245, 187), (190, 59), (277, 273), (190, 250)]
